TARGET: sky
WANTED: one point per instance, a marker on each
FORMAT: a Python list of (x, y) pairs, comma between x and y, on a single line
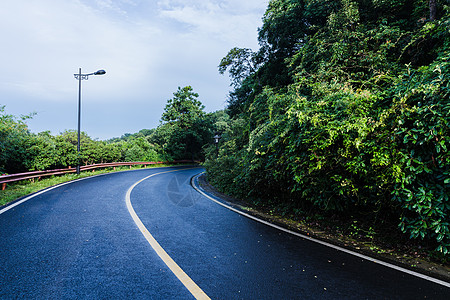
[(148, 49)]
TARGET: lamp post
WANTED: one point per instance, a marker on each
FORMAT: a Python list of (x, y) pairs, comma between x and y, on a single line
[(217, 137), (80, 77)]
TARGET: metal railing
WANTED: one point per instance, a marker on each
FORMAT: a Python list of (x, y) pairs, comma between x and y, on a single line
[(5, 179)]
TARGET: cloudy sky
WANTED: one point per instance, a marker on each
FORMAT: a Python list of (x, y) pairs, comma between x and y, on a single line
[(147, 47)]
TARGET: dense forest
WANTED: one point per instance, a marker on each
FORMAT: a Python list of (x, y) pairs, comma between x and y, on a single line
[(344, 111)]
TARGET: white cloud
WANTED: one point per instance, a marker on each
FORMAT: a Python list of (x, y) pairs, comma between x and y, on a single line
[(222, 20), (148, 49), (49, 40)]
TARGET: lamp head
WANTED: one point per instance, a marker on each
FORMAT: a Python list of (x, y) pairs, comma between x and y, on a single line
[(217, 138), (100, 72)]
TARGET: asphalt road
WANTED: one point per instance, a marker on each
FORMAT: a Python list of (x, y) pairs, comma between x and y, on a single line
[(80, 241)]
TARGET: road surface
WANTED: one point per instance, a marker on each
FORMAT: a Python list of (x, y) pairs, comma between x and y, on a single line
[(98, 238)]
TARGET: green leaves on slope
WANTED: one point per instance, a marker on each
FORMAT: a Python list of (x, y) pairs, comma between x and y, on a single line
[(362, 127)]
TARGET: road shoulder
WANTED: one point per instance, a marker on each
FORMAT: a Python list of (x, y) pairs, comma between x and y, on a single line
[(403, 260)]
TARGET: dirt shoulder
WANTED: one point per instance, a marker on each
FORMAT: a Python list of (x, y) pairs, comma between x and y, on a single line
[(417, 263)]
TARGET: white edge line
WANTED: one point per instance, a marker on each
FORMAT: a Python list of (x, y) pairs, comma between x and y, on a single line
[(193, 288), (380, 262), (14, 204)]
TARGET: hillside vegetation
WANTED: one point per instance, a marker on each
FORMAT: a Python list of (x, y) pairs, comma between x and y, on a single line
[(344, 111)]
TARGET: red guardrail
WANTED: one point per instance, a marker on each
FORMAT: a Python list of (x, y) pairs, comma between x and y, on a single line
[(4, 179)]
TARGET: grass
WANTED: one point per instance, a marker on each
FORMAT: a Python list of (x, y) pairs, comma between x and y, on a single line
[(23, 188)]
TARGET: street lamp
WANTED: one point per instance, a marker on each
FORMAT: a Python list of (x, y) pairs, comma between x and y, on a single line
[(217, 137), (80, 77)]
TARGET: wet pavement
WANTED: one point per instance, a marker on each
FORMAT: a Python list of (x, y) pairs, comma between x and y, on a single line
[(78, 241)]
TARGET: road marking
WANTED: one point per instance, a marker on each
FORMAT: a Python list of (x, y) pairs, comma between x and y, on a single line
[(179, 273), (377, 261), (14, 204)]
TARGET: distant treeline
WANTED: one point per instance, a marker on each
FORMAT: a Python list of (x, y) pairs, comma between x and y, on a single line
[(344, 111)]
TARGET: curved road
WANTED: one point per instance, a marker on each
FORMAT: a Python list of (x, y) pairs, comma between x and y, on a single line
[(91, 239)]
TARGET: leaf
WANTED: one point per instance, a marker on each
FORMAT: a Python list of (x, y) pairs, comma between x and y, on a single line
[(438, 228)]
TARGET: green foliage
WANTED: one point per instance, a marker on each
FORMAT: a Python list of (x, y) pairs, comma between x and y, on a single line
[(360, 128), (53, 152), (14, 142), (184, 108), (186, 128), (240, 62), (127, 136), (284, 27), (421, 122), (225, 169), (23, 151), (45, 152), (139, 149)]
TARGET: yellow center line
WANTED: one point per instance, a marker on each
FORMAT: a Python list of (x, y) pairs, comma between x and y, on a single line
[(195, 290)]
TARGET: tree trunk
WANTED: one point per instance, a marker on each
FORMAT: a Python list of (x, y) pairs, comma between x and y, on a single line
[(432, 10)]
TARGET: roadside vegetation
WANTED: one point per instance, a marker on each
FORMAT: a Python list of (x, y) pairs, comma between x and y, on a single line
[(343, 114)]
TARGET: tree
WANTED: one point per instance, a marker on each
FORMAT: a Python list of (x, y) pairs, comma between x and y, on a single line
[(432, 10), (14, 142), (44, 153), (240, 62), (284, 27), (139, 149), (186, 127), (183, 108)]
